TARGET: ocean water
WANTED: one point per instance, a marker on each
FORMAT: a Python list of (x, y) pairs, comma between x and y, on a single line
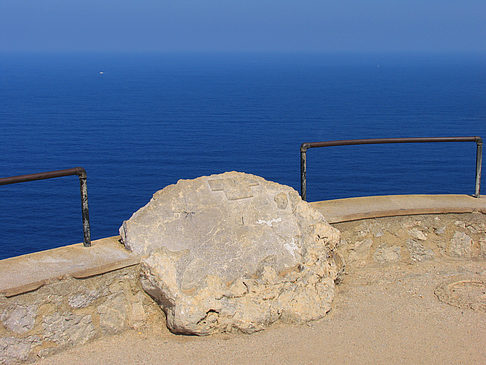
[(151, 119)]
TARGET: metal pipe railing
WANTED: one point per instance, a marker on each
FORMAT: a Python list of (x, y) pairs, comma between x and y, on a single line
[(80, 172), (305, 146)]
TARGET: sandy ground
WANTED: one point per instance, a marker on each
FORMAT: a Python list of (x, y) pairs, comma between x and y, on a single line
[(380, 316)]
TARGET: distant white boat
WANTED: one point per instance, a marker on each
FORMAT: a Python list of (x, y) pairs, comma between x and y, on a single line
[(101, 72)]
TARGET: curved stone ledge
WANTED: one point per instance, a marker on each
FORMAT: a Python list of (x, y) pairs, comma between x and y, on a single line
[(351, 209)]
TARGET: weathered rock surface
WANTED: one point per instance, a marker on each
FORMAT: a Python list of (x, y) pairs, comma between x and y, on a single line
[(413, 239), (71, 312), (385, 254), (19, 318), (359, 252), (418, 252), (233, 252), (461, 245), (14, 349), (68, 328)]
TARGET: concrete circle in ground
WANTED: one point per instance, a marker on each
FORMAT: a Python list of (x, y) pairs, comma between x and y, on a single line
[(469, 293)]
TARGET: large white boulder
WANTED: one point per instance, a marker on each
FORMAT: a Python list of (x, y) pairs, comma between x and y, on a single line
[(233, 252)]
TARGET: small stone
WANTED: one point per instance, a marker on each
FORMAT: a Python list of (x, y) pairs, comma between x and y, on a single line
[(137, 315), (19, 318), (68, 328), (418, 252), (113, 314), (412, 223), (363, 229), (461, 245), (360, 250), (14, 349), (408, 224), (460, 224), (82, 300), (376, 230), (384, 254), (482, 245), (417, 234), (440, 231), (362, 234)]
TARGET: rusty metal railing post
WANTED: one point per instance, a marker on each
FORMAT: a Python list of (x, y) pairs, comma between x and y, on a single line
[(83, 186), (80, 172), (303, 171), (479, 161)]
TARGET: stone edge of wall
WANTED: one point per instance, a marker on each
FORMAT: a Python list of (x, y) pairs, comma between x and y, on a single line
[(350, 209)]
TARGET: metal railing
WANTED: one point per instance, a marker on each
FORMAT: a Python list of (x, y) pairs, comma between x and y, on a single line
[(80, 172), (305, 146)]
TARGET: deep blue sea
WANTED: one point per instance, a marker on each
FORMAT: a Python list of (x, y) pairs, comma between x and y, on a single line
[(151, 119)]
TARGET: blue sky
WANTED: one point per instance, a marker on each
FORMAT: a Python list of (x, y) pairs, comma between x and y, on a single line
[(243, 25)]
